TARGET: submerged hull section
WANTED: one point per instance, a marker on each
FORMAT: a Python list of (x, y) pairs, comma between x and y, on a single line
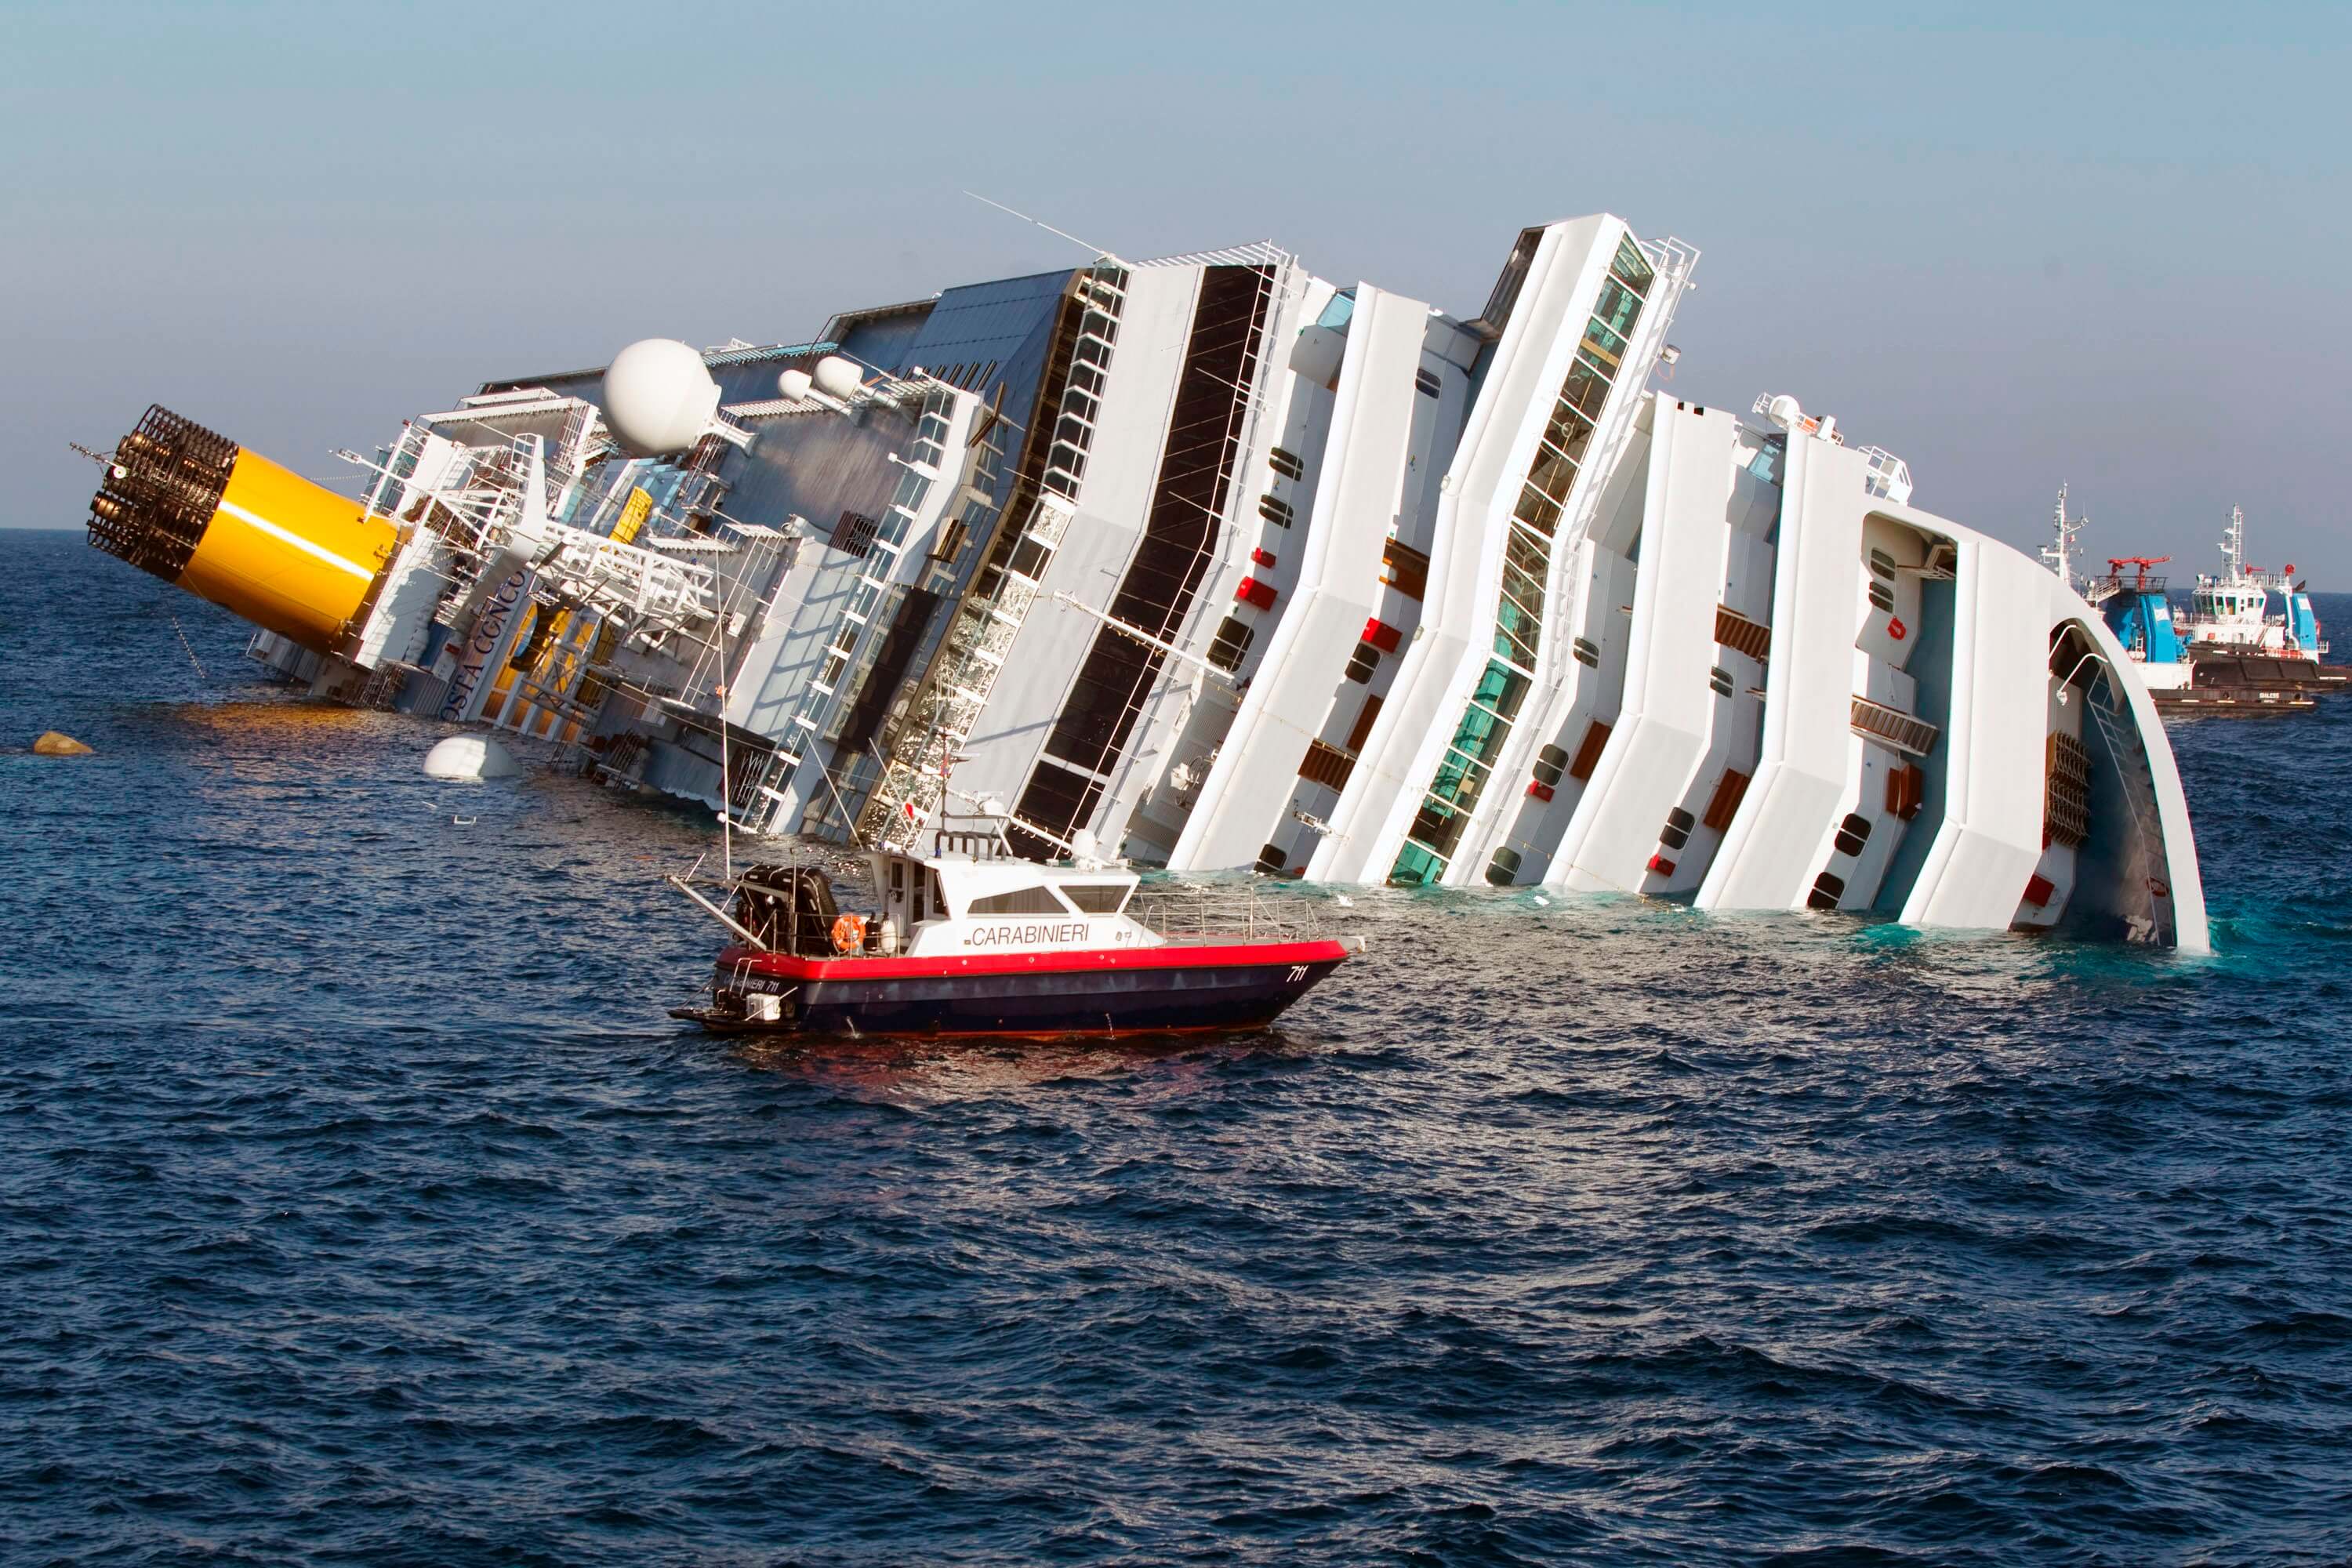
[(1144, 991)]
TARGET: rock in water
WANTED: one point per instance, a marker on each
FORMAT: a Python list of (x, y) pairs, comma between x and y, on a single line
[(53, 744), (471, 757)]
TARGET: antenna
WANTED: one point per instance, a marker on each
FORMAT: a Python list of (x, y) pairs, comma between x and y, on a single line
[(2060, 553), (2233, 542), (1049, 227)]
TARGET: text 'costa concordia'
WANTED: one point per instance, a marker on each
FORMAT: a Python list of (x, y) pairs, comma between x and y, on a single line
[(1218, 564)]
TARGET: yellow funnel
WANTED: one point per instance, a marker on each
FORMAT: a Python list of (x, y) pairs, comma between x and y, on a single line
[(229, 525)]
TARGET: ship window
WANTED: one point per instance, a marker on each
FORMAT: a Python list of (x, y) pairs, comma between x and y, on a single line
[(1680, 820), (1569, 433), (1276, 512), (897, 877), (1587, 652), (1828, 888), (1550, 762), (1853, 834), (1881, 598), (1504, 869), (1617, 306), (1882, 563), (1098, 899), (1020, 901), (1270, 859), (1029, 559), (1367, 660), (1425, 382), (1585, 390), (1719, 679), (1632, 265), (1232, 641), (1537, 510), (1552, 473), (1286, 463)]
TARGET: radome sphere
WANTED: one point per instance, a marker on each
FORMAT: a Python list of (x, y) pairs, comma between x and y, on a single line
[(838, 377), (659, 397)]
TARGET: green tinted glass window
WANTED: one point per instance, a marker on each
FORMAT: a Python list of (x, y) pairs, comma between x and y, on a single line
[(1619, 307), (1632, 265)]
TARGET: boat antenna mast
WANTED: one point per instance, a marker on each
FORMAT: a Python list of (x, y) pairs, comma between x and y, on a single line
[(2233, 543), (2060, 553)]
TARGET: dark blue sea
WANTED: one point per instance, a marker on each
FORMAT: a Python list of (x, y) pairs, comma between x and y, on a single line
[(359, 1204)]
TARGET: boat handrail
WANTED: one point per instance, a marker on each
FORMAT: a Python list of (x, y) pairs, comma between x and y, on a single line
[(1214, 910)]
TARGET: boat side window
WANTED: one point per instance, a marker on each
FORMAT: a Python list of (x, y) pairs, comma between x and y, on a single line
[(1098, 899), (1036, 900), (938, 897)]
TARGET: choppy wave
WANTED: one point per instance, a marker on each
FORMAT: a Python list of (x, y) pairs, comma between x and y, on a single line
[(358, 1202)]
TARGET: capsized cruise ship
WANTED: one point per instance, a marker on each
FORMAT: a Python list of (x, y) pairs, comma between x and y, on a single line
[(1211, 563)]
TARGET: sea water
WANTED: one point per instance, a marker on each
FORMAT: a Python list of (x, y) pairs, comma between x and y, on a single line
[(359, 1204)]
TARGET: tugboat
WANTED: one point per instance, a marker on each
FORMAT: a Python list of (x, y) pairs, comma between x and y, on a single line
[(2225, 654), (2230, 611), (972, 939)]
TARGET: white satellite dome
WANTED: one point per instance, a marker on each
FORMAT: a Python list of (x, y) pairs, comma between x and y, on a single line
[(793, 384), (838, 377), (659, 397), (471, 757)]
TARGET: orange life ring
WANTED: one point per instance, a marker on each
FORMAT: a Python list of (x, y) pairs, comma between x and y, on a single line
[(849, 935)]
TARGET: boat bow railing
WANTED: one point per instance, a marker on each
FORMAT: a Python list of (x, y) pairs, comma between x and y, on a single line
[(1198, 910)]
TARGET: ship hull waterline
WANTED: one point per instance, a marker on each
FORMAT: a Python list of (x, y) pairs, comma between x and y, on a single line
[(1145, 991)]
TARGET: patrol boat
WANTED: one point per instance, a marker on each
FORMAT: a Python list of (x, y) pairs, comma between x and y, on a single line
[(971, 939)]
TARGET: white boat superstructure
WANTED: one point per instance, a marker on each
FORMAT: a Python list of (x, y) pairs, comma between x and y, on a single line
[(1225, 566), (2231, 610)]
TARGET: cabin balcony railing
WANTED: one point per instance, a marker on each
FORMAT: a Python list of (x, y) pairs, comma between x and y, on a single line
[(1893, 727)]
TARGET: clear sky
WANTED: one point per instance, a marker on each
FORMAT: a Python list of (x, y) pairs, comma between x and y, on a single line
[(2013, 243)]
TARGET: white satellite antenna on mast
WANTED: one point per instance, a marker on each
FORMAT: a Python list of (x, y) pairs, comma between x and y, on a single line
[(2060, 553)]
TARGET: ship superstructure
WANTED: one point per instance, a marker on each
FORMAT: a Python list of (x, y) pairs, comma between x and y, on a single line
[(1213, 564)]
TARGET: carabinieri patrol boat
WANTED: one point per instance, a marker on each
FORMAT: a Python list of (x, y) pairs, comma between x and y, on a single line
[(971, 939)]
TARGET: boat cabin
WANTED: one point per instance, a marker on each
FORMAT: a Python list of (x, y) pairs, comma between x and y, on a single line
[(969, 897)]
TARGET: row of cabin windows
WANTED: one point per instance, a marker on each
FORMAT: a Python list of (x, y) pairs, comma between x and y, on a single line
[(1089, 900), (1519, 609)]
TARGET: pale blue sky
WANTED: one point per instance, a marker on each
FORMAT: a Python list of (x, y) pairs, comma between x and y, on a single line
[(2015, 243)]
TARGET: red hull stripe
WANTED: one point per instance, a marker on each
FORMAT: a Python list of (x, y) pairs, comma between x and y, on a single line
[(1076, 960)]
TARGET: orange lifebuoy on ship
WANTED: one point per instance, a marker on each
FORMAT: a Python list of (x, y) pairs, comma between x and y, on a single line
[(849, 935)]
